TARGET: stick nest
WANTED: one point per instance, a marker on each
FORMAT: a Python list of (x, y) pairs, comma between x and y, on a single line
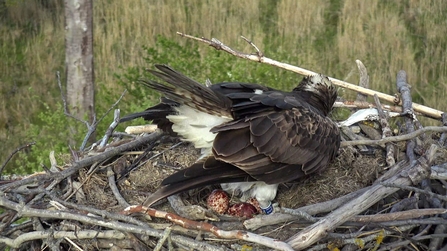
[(381, 193), (87, 188)]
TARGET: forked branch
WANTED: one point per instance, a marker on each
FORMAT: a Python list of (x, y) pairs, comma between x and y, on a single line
[(259, 57)]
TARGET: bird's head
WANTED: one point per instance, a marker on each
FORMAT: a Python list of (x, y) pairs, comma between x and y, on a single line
[(318, 91)]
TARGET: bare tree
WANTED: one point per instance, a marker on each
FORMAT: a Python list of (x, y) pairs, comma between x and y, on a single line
[(79, 60)]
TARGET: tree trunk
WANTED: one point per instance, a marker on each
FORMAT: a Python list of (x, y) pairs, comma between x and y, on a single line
[(79, 60)]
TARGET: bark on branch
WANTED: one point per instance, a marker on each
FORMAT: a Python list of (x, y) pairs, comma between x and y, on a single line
[(410, 175), (259, 57)]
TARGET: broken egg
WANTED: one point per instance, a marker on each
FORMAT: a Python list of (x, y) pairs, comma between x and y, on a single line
[(243, 209), (218, 201), (255, 203)]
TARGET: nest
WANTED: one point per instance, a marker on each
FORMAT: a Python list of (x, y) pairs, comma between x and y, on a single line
[(383, 192), (83, 203)]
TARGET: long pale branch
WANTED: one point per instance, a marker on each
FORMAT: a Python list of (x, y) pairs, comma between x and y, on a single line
[(259, 57)]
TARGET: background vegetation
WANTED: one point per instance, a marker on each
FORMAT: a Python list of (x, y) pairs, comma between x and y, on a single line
[(324, 36)]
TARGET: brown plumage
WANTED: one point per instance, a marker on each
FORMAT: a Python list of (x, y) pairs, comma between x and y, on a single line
[(248, 132)]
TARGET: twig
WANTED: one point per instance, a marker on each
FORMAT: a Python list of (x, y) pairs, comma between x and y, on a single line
[(92, 127), (364, 80), (72, 243), (141, 129), (386, 132), (393, 223), (13, 153), (318, 208), (430, 112), (396, 138), (435, 243), (50, 242), (444, 135), (268, 220), (404, 215), (316, 231), (115, 191), (115, 123), (439, 172), (190, 224), (404, 90), (19, 227), (162, 240), (362, 105), (94, 211), (26, 211), (76, 235), (113, 106), (376, 218), (413, 239), (404, 204), (57, 177), (353, 137), (137, 162), (64, 101), (360, 238), (299, 214), (258, 52), (417, 190)]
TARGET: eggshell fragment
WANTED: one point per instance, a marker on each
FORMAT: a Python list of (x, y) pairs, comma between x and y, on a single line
[(243, 209), (255, 203)]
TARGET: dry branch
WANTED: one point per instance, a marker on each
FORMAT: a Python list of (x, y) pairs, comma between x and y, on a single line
[(20, 148), (404, 215), (444, 135), (84, 162), (404, 137), (404, 90), (116, 119), (287, 214), (410, 175), (386, 132), (26, 211), (259, 57), (75, 235), (364, 80), (190, 224), (141, 129)]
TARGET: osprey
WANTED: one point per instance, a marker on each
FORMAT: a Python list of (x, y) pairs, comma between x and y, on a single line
[(252, 137)]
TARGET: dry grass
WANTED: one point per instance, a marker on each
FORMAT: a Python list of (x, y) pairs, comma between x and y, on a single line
[(371, 32), (323, 36)]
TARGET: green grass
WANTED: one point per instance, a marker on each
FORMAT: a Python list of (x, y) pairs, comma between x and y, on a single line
[(129, 36)]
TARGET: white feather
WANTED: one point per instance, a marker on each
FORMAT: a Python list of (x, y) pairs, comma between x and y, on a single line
[(194, 126)]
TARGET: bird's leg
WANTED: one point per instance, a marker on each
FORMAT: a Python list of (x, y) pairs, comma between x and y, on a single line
[(264, 194), (261, 191)]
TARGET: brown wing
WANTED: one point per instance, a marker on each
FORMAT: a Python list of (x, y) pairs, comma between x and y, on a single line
[(278, 146)]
